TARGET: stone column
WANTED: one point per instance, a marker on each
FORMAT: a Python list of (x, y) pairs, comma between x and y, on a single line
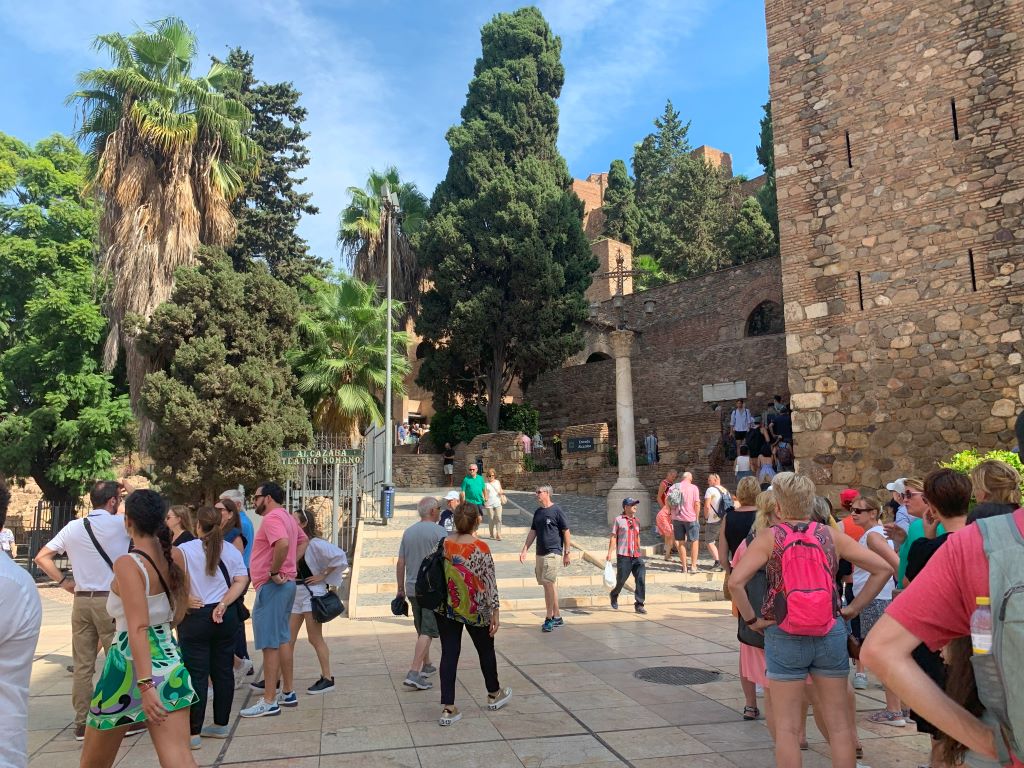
[(627, 483)]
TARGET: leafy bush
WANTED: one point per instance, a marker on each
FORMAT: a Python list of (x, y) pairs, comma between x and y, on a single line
[(965, 461), (462, 423), (516, 417)]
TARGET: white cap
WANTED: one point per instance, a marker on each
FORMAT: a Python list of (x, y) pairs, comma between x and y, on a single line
[(897, 486), (452, 496)]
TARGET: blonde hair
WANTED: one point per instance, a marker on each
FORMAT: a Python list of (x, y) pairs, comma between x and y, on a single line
[(747, 491), (917, 483), (998, 481), (765, 509), (794, 494), (876, 505)]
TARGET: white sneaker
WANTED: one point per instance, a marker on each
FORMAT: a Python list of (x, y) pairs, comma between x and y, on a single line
[(860, 681), (241, 671)]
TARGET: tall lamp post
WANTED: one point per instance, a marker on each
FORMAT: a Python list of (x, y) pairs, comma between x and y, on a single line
[(627, 485), (389, 201)]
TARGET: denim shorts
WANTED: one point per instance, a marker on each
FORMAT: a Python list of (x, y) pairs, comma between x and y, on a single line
[(686, 530), (793, 657), (271, 614)]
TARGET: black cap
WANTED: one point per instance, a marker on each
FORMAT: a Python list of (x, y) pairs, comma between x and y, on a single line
[(399, 607), (629, 502)]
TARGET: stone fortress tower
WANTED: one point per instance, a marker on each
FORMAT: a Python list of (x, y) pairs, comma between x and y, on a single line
[(899, 150)]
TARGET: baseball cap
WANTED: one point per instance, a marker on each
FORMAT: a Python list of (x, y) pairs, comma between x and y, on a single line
[(399, 607), (629, 502), (848, 496), (897, 486), (452, 496)]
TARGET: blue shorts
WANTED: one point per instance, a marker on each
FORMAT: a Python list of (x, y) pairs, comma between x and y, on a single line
[(793, 657), (271, 613), (686, 530)]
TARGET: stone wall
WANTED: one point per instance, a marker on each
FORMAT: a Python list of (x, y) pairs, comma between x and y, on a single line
[(696, 336), (899, 150)]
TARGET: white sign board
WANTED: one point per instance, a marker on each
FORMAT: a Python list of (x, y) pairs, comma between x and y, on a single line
[(729, 390)]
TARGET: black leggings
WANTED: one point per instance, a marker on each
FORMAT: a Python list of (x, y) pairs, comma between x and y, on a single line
[(451, 647), (208, 650)]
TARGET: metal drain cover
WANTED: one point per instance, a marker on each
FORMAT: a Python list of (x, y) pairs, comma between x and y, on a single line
[(678, 675)]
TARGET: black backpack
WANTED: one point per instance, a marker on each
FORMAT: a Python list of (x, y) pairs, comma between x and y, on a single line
[(784, 455), (431, 582)]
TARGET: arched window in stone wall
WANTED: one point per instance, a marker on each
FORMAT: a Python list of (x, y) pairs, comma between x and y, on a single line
[(597, 357), (766, 319)]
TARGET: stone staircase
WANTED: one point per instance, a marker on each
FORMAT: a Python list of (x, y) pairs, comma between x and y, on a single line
[(372, 583)]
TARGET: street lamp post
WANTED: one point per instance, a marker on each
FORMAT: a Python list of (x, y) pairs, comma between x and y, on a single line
[(389, 201), (627, 485)]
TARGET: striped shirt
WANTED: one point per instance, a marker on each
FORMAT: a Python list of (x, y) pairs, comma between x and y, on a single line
[(627, 536)]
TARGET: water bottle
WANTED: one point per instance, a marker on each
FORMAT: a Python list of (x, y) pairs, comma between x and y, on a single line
[(981, 626)]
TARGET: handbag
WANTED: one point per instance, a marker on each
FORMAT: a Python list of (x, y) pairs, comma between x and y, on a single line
[(325, 607), (243, 611)]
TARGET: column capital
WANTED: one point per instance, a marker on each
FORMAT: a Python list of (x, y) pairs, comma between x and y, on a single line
[(621, 343)]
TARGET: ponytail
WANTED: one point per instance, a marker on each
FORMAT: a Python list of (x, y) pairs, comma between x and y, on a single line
[(208, 526)]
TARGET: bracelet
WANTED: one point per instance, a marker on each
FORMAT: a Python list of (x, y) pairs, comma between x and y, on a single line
[(750, 622), (63, 579), (275, 573), (144, 684)]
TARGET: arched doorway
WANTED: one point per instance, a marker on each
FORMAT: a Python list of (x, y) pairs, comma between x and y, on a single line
[(766, 319)]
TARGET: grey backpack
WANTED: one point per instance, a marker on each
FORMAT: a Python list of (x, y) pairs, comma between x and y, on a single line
[(1000, 674)]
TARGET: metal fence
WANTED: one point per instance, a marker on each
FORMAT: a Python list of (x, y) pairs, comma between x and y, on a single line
[(371, 473), (325, 482), (48, 519)]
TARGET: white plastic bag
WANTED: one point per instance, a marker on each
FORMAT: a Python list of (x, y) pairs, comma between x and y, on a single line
[(609, 574)]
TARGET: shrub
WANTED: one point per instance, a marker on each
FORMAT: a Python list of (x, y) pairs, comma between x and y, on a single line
[(462, 423), (965, 461)]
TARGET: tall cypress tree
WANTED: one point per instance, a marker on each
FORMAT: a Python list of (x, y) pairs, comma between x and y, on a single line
[(766, 196), (504, 245), (622, 217), (269, 209)]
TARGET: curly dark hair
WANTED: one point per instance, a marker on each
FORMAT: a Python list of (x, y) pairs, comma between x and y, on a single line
[(147, 511)]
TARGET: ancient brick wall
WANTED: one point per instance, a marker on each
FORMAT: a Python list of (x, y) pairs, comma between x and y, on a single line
[(899, 148), (696, 336)]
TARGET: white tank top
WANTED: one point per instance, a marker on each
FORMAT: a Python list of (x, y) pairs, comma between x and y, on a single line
[(159, 605)]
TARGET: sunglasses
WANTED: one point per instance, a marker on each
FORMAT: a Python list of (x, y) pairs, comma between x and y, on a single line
[(912, 494), (259, 496), (855, 510)]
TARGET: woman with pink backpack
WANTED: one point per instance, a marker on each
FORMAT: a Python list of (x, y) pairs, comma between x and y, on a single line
[(804, 626)]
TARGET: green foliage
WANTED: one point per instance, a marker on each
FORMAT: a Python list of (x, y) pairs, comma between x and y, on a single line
[(342, 357), (224, 402), (965, 461), (269, 208), (504, 244), (622, 217), (766, 196), (652, 275), (750, 237), (519, 417), (61, 420), (462, 423)]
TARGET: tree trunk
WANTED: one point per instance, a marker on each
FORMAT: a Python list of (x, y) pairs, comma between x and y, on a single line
[(495, 389)]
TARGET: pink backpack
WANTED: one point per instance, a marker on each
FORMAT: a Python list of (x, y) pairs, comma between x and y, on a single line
[(806, 602)]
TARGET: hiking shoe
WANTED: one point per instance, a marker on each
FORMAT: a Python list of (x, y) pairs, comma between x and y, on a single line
[(195, 742), (860, 681), (615, 603), (417, 680), (639, 608), (323, 685), (241, 671), (135, 730), (262, 708), (79, 733), (885, 717), (289, 699), (557, 621), (428, 669), (215, 732), (496, 701), (547, 626), (449, 715)]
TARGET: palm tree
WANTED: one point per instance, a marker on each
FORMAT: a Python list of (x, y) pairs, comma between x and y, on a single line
[(168, 153), (361, 234), (341, 361)]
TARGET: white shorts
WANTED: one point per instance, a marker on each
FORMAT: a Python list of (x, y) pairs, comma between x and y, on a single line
[(303, 600), (449, 469)]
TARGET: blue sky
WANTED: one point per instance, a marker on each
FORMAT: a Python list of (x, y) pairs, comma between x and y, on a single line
[(383, 81)]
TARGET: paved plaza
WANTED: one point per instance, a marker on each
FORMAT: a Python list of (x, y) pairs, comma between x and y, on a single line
[(576, 701)]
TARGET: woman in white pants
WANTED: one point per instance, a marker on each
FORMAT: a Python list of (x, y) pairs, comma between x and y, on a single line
[(493, 501)]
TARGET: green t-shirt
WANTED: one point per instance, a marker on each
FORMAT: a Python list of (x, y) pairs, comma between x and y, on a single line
[(915, 532), (473, 488)]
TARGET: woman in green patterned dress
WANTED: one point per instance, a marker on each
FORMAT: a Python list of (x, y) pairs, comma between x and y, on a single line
[(143, 679)]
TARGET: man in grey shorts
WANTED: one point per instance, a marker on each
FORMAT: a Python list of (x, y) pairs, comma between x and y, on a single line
[(418, 541)]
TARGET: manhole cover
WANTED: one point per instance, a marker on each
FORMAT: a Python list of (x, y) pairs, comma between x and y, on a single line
[(677, 675)]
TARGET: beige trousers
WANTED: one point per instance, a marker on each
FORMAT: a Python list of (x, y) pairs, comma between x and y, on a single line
[(495, 519), (91, 625)]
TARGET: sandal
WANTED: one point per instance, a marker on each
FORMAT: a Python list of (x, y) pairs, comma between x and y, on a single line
[(804, 746), (860, 753), (449, 715), (751, 713)]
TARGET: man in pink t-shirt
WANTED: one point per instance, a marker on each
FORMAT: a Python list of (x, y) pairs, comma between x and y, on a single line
[(685, 527), (934, 609), (275, 552)]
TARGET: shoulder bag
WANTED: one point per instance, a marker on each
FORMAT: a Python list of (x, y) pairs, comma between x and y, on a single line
[(243, 611)]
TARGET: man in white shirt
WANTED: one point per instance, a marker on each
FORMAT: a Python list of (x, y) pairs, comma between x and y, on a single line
[(740, 422), (19, 632), (91, 625)]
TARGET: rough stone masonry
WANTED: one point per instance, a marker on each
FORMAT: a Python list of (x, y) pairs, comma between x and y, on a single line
[(899, 148)]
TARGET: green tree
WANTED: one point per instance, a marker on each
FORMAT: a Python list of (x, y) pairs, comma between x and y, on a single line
[(269, 208), (652, 275), (169, 152), (224, 403), (61, 420), (342, 358), (622, 217), (766, 196), (362, 231), (750, 237), (504, 245)]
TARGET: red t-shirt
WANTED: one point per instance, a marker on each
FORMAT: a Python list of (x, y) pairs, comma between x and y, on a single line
[(957, 574)]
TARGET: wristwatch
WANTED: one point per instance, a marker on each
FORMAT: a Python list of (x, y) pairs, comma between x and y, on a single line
[(750, 622)]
